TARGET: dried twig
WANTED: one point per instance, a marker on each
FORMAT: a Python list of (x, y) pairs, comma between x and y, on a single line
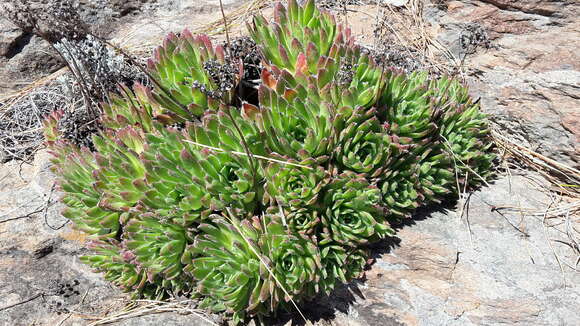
[(246, 154), (40, 209), (545, 229), (153, 307), (523, 232), (455, 157), (46, 211), (565, 178), (21, 121), (225, 24)]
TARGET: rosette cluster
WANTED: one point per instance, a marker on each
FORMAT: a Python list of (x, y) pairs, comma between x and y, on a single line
[(193, 190)]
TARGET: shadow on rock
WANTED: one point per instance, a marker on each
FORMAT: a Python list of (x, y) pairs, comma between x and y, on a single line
[(321, 308), (325, 308)]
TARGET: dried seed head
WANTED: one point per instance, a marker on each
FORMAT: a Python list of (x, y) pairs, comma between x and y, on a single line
[(346, 74), (223, 77)]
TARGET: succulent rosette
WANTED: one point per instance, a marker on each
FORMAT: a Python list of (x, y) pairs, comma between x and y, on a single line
[(401, 87), (464, 132), (223, 260), (191, 76), (349, 78), (231, 178), (79, 195), (293, 186), (189, 177), (333, 257), (119, 168), (363, 146), (435, 174), (355, 263), (169, 190), (293, 258), (118, 266), (353, 215), (408, 113), (295, 30), (303, 220), (131, 108), (400, 187), (250, 267), (157, 248), (340, 265), (294, 125), (76, 166)]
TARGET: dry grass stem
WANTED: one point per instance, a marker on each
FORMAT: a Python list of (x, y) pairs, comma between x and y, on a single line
[(410, 29), (139, 308), (545, 229), (246, 154), (563, 177)]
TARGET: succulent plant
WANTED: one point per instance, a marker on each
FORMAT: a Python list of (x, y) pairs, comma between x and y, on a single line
[(109, 257), (157, 248), (464, 132), (400, 186), (363, 145), (249, 267), (353, 214), (75, 166), (132, 108), (349, 78), (303, 220), (409, 110), (191, 175), (118, 167), (294, 124), (297, 30), (340, 265), (435, 174), (191, 75), (293, 186), (253, 205)]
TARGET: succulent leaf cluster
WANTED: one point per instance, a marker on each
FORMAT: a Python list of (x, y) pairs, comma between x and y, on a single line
[(296, 32), (194, 190)]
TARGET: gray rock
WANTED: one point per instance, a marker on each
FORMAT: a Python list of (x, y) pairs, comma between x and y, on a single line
[(10, 36), (528, 80), (25, 58), (35, 58)]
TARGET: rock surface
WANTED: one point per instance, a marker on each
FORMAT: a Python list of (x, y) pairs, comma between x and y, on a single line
[(529, 80), (23, 57), (449, 266)]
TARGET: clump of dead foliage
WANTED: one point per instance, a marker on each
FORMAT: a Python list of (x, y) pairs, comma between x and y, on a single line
[(95, 69)]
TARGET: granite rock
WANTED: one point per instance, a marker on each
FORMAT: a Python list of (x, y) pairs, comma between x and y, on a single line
[(529, 77)]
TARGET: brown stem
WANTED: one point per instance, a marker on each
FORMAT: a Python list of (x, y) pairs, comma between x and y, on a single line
[(225, 24)]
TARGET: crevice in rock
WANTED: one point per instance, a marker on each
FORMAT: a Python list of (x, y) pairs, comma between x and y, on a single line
[(18, 44), (131, 10), (507, 6)]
